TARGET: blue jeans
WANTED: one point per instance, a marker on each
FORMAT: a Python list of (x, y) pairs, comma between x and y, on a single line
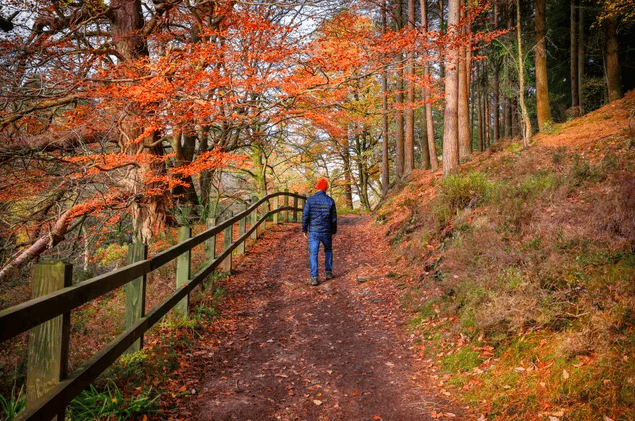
[(315, 238)]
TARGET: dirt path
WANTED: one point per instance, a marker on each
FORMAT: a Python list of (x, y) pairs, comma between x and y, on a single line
[(289, 351)]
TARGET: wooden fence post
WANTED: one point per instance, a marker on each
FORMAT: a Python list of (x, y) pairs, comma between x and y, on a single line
[(295, 207), (286, 203), (276, 205), (262, 226), (183, 268), (254, 218), (48, 343), (240, 250), (210, 243), (135, 292), (302, 206), (226, 265)]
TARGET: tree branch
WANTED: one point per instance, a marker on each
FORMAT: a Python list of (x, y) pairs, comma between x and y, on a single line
[(45, 242)]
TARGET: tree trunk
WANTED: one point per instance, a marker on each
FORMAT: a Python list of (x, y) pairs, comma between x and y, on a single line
[(441, 25), (514, 117), (409, 161), (526, 122), (575, 98), (510, 107), (465, 137), (487, 120), (362, 170), (480, 112), (149, 210), (450, 127), (385, 174), (399, 101), (613, 77), (543, 110), (581, 59), (496, 82), (348, 190), (259, 171), (432, 148), (507, 117), (183, 146)]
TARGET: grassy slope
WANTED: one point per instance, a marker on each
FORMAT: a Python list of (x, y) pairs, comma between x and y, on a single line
[(520, 271)]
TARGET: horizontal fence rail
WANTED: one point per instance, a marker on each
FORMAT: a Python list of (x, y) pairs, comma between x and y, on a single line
[(28, 315)]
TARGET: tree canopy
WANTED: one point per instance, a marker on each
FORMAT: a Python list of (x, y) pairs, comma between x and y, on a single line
[(127, 110)]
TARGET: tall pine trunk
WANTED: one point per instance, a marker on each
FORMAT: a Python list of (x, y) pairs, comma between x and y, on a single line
[(581, 59), (543, 111), (575, 92), (495, 82), (450, 119), (465, 136), (612, 66), (399, 101), (526, 122), (432, 148), (409, 161), (385, 174)]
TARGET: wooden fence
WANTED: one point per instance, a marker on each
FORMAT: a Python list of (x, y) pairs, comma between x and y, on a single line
[(49, 387)]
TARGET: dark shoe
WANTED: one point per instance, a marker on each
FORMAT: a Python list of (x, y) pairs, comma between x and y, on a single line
[(315, 281), (329, 275)]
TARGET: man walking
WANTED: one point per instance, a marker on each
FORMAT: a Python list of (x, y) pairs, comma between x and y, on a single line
[(320, 221)]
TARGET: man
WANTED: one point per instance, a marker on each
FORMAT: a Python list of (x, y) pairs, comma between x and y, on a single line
[(320, 221)]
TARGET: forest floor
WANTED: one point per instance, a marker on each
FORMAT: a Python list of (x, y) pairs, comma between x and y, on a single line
[(285, 350)]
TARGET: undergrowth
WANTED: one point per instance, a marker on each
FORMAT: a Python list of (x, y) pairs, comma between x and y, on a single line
[(523, 284), (110, 403), (136, 384)]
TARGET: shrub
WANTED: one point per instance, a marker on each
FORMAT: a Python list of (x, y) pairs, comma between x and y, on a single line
[(463, 191)]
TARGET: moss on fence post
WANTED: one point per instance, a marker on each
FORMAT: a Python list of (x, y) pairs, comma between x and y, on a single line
[(48, 342), (286, 204), (135, 292)]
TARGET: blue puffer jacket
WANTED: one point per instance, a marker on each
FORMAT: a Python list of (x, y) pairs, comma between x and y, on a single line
[(320, 214)]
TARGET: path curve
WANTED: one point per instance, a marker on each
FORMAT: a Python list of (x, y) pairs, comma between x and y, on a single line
[(290, 351)]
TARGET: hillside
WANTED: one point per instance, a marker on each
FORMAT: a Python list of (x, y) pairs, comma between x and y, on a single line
[(519, 271)]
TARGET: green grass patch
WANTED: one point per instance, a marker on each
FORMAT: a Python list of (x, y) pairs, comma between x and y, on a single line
[(13, 405), (460, 191), (92, 404), (463, 360)]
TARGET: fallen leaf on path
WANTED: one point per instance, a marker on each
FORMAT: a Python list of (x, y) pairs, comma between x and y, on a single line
[(317, 401)]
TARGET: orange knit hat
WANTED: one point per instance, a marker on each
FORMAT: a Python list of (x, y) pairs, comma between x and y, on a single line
[(322, 184)]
